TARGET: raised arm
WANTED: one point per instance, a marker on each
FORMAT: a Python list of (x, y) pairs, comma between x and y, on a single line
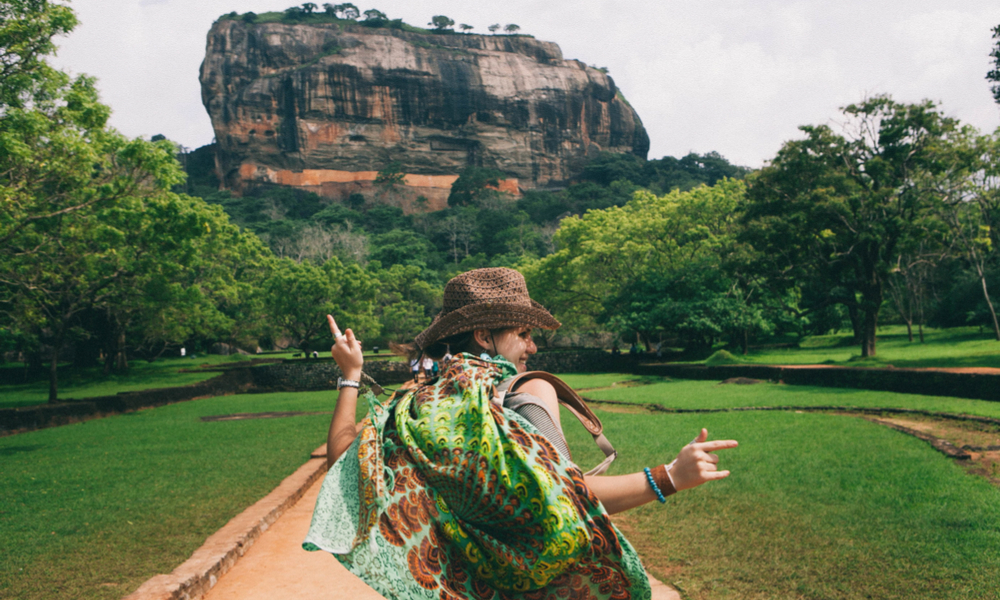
[(347, 352)]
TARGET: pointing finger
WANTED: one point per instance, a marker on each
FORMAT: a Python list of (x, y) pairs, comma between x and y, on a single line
[(716, 445), (333, 326)]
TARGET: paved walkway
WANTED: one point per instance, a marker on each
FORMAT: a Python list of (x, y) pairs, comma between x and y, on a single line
[(277, 567)]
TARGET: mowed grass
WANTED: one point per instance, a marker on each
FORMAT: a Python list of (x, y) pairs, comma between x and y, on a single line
[(77, 384), (689, 394), (957, 347), (817, 506), (92, 510)]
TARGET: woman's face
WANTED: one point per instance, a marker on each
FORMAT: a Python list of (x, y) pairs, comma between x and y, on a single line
[(514, 344)]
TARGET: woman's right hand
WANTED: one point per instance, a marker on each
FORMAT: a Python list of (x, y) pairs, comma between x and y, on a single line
[(346, 351), (696, 464)]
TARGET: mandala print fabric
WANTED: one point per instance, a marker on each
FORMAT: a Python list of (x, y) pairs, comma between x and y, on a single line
[(446, 495)]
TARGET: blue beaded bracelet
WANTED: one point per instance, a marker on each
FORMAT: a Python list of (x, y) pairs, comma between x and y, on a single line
[(652, 484)]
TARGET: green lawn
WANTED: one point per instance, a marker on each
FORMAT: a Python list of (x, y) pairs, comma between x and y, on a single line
[(958, 347), (77, 383), (817, 506), (92, 510), (689, 394)]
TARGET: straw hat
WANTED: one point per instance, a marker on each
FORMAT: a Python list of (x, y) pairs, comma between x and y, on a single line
[(485, 299)]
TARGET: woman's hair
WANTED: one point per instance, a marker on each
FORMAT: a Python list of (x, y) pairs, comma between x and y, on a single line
[(455, 344)]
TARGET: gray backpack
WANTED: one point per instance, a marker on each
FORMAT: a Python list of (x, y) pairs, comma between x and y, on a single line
[(539, 415)]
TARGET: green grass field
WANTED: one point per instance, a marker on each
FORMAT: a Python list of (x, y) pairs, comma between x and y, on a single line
[(92, 510), (688, 394), (818, 506), (958, 347), (88, 383)]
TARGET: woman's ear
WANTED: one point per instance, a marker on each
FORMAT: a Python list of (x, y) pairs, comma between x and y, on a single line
[(481, 337)]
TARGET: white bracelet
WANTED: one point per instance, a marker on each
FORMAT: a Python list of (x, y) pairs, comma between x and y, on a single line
[(341, 382)]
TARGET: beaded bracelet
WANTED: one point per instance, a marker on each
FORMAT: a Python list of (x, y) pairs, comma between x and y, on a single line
[(652, 484)]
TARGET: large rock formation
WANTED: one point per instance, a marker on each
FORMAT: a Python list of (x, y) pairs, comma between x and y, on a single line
[(326, 106)]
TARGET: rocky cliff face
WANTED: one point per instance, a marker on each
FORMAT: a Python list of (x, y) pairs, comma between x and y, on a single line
[(327, 106)]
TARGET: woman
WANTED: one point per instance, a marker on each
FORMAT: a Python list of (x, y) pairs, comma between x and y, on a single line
[(442, 492)]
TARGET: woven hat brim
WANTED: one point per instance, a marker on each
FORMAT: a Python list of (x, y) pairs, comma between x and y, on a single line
[(486, 315)]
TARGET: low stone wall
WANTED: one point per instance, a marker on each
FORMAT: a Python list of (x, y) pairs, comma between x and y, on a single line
[(70, 411), (976, 386), (319, 374), (582, 361)]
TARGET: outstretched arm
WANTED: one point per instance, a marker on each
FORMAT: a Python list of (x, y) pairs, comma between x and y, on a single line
[(696, 464), (347, 352)]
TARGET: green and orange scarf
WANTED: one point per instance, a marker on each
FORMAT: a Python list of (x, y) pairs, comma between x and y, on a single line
[(446, 495)]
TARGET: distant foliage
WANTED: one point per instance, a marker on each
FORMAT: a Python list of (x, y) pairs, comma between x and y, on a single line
[(994, 73), (441, 23), (474, 185)]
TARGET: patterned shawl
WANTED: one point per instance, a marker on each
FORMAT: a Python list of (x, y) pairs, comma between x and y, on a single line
[(446, 495)]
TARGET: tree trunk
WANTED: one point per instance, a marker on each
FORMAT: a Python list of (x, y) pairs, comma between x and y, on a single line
[(852, 313), (746, 341), (989, 303), (54, 371), (909, 330), (870, 325)]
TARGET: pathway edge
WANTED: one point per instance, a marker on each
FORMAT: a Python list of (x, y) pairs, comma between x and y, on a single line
[(199, 573)]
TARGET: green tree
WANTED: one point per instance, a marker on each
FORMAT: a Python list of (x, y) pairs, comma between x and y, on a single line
[(973, 210), (374, 15), (654, 266), (405, 303), (26, 31), (348, 11), (494, 27), (466, 28), (831, 212), (308, 7), (994, 73), (296, 298), (512, 28), (65, 179), (391, 175), (474, 186), (441, 23)]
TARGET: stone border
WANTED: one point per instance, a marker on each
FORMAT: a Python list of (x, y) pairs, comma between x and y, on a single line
[(943, 446), (198, 574)]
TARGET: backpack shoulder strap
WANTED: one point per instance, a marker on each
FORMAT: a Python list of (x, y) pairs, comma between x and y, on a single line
[(574, 403)]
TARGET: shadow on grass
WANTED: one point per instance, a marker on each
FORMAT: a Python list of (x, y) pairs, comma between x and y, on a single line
[(12, 450)]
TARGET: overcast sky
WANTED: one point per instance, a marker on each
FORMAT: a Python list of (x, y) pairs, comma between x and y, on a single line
[(734, 76)]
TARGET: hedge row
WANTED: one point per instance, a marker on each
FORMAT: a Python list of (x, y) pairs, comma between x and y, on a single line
[(976, 386)]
